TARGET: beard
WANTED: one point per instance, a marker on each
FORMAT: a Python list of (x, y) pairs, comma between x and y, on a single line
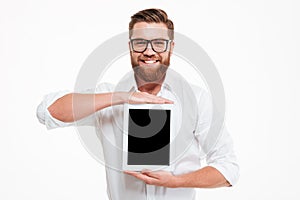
[(152, 72)]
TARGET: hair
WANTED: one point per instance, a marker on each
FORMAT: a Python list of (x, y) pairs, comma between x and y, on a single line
[(152, 15)]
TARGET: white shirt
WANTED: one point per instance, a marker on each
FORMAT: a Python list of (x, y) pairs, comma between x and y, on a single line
[(121, 186)]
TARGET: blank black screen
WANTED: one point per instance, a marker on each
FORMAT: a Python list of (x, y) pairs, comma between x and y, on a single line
[(149, 137)]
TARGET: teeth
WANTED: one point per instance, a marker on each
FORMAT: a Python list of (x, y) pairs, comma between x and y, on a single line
[(150, 61)]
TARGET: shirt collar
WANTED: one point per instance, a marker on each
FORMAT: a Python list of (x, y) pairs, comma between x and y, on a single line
[(164, 87)]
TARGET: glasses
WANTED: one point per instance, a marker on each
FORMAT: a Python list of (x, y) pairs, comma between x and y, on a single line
[(157, 45)]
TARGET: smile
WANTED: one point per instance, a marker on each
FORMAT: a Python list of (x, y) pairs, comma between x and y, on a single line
[(149, 61)]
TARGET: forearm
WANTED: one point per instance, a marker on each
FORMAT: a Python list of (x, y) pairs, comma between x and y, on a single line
[(75, 106), (207, 177)]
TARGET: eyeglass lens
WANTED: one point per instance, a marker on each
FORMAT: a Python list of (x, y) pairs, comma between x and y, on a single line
[(158, 45)]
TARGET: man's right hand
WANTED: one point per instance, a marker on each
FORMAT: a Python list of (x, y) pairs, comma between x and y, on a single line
[(144, 97)]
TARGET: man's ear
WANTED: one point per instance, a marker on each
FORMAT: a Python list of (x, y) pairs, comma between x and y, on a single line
[(129, 47), (172, 44)]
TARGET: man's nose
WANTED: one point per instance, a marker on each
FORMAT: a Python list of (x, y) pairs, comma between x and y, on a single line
[(149, 50)]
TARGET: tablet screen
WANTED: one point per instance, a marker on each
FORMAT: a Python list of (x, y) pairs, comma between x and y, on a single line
[(148, 137)]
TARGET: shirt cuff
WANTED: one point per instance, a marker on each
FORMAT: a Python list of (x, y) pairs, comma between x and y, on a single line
[(230, 171), (44, 115)]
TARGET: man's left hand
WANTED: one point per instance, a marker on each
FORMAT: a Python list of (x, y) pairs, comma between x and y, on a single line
[(158, 178)]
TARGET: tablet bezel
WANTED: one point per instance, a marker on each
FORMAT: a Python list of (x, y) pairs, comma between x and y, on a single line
[(125, 136)]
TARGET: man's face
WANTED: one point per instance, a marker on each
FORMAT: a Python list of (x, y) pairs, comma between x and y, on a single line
[(150, 66)]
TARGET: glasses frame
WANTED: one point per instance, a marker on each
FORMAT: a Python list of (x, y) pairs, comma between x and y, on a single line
[(150, 41)]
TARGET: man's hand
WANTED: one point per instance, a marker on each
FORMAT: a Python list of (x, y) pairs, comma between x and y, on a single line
[(144, 97), (158, 178), (207, 177)]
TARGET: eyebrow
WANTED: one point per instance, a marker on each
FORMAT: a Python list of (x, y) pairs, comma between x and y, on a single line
[(151, 39)]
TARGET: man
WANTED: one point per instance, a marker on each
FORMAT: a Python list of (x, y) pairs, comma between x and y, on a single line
[(151, 45)]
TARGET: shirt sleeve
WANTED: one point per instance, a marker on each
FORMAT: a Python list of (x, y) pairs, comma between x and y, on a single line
[(44, 115), (220, 154), (50, 122), (223, 158)]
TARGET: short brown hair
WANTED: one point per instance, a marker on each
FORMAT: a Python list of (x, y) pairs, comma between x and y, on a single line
[(152, 15)]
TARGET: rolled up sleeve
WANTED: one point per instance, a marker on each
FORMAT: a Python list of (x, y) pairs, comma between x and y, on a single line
[(223, 158), (44, 115), (220, 153)]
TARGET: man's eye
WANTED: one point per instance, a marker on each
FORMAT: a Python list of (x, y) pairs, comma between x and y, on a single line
[(140, 42), (159, 42)]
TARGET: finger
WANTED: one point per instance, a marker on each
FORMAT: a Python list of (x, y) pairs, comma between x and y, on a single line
[(161, 100), (145, 171), (167, 101), (152, 174), (144, 97), (143, 177), (135, 174), (130, 172), (157, 101)]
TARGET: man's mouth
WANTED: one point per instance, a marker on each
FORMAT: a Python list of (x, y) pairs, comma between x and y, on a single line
[(149, 61)]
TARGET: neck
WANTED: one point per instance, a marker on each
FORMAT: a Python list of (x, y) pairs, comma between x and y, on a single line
[(149, 87)]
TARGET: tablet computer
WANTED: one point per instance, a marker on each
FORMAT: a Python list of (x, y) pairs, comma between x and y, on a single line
[(147, 133)]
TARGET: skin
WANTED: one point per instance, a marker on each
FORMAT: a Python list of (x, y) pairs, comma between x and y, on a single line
[(150, 75), (149, 78), (207, 177)]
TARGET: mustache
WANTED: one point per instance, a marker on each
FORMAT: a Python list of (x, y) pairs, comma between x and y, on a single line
[(151, 57)]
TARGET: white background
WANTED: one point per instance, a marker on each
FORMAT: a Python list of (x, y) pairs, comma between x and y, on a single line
[(254, 45)]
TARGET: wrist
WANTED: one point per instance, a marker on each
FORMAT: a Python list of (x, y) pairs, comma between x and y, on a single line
[(178, 181), (119, 98)]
